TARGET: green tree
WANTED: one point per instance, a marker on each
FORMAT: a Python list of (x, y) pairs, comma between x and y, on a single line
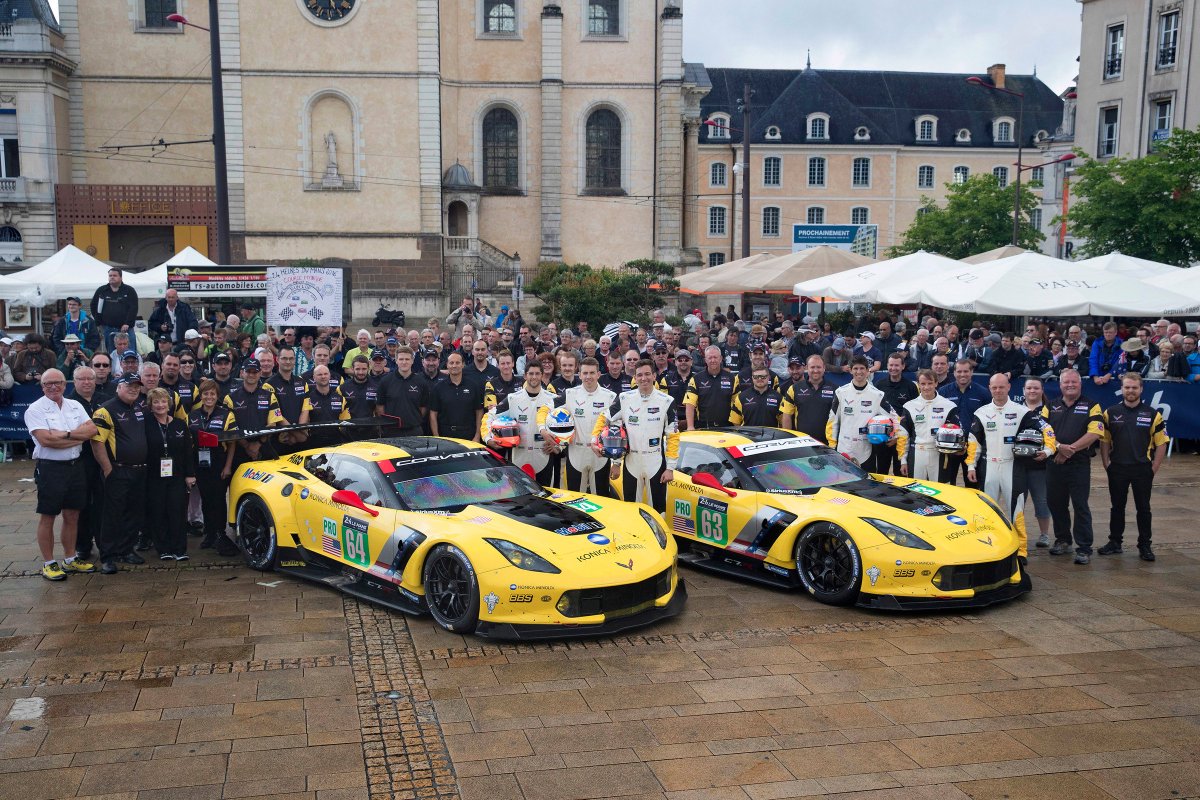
[(577, 292), (1147, 207), (977, 217)]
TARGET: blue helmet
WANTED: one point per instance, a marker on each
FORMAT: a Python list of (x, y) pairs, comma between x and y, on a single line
[(879, 429)]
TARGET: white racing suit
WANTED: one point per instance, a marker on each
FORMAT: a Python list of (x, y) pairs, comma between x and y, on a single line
[(530, 413), (846, 430), (990, 453), (586, 471), (653, 430), (921, 418)]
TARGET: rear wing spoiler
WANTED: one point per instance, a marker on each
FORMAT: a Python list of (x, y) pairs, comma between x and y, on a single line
[(209, 439)]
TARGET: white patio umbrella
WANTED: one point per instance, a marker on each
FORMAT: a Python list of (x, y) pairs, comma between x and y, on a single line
[(1007, 251), (781, 274), (896, 280), (153, 282), (711, 279), (1034, 284), (1184, 281), (1121, 264)]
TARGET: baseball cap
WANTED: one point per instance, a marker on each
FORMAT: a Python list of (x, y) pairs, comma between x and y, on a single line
[(796, 361), (5, 340), (205, 323), (867, 335), (75, 299), (246, 305), (162, 337), (130, 377), (994, 338), (191, 333), (392, 340), (975, 334), (683, 354), (251, 364), (129, 354), (1035, 341), (222, 357), (429, 352), (660, 348), (758, 346), (377, 353), (1072, 343), (839, 343)]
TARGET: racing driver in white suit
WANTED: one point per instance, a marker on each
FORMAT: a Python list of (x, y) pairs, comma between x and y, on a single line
[(921, 417), (651, 425), (529, 407), (990, 453), (587, 402), (853, 405)]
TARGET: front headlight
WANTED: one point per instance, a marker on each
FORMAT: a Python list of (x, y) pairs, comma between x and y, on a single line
[(992, 505), (659, 533), (897, 535), (521, 558)]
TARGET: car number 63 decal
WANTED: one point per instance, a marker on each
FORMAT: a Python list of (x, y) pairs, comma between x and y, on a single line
[(712, 519)]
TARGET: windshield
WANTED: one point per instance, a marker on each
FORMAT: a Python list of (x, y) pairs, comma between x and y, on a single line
[(801, 469), (450, 482)]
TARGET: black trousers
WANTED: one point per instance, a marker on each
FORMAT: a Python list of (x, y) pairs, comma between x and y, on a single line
[(1122, 478), (954, 465), (91, 519), (166, 514), (575, 479), (885, 460), (658, 489), (124, 503), (1068, 485), (213, 504)]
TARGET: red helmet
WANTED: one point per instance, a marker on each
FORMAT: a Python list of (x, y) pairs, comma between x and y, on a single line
[(505, 432), (951, 439), (614, 441)]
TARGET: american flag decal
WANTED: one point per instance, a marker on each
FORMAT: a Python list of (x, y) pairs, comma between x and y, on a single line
[(683, 524), (330, 543)]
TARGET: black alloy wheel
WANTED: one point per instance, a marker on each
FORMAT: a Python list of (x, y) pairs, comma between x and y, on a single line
[(451, 589), (829, 564), (256, 534)]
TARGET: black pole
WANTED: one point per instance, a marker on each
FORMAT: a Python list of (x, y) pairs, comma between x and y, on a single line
[(222, 169), (746, 170)]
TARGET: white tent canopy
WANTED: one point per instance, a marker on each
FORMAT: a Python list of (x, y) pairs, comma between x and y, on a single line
[(1005, 251), (1032, 283), (710, 280), (867, 283), (1182, 281), (1121, 264), (153, 282), (68, 272)]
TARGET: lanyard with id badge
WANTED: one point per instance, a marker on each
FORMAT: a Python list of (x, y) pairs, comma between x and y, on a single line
[(166, 464)]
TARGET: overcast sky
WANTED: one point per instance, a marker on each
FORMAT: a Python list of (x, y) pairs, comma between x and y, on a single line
[(906, 35)]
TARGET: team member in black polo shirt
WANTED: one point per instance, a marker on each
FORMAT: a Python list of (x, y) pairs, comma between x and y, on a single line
[(677, 380), (707, 404), (478, 368), (222, 369), (323, 403), (106, 384), (120, 449), (500, 387), (173, 381), (255, 408), (360, 389), (1078, 424), (1132, 449), (289, 387), (615, 379), (404, 395), (84, 392), (806, 405), (758, 403), (430, 374), (456, 407)]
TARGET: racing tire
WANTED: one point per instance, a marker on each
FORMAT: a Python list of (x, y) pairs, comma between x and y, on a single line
[(829, 564), (256, 535), (451, 589)]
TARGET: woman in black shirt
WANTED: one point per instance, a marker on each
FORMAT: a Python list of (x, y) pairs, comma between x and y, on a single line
[(169, 474)]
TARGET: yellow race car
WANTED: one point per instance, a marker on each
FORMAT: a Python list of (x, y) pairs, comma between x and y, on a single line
[(444, 527), (784, 509)]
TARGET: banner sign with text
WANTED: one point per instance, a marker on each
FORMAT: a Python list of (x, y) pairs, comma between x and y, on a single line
[(304, 296), (219, 281)]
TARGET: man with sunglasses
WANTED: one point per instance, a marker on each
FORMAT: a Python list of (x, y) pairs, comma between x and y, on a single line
[(106, 385), (173, 381), (758, 403)]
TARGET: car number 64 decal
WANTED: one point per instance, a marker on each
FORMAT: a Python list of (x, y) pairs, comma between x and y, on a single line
[(355, 543)]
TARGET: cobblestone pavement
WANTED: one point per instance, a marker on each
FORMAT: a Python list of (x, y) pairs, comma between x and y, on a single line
[(213, 681)]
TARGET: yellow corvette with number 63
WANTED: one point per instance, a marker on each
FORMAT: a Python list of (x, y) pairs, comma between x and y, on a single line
[(444, 527), (783, 509)]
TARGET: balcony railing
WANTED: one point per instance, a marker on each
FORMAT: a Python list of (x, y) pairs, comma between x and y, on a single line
[(8, 185), (461, 244), (1112, 66), (6, 30)]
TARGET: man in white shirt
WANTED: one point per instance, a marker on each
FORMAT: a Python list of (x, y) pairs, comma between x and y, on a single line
[(59, 427)]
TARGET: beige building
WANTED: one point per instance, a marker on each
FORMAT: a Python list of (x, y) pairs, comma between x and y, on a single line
[(34, 130), (421, 145), (837, 147)]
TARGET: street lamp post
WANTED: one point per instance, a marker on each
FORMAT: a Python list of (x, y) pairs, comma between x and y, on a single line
[(221, 177), (977, 81)]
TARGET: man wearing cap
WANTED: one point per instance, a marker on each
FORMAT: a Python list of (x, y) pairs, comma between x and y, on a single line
[(171, 318), (402, 395), (867, 349), (255, 408), (115, 306), (360, 389), (710, 396), (678, 378), (976, 350), (758, 358), (120, 448), (456, 404), (837, 356), (1038, 363), (222, 369), (76, 321), (72, 355), (1072, 358), (59, 426), (164, 347), (756, 402)]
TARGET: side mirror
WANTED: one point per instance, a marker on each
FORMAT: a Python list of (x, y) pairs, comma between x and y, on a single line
[(528, 470), (207, 439), (708, 480), (348, 498)]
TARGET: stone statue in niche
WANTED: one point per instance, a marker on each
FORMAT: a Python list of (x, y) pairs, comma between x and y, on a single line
[(332, 178)]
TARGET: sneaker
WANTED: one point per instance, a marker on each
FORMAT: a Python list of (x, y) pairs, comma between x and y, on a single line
[(1145, 553), (1082, 558), (1060, 548), (166, 557), (53, 572), (142, 545), (131, 558), (1043, 540), (181, 557), (77, 564), (108, 568), (1110, 549)]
